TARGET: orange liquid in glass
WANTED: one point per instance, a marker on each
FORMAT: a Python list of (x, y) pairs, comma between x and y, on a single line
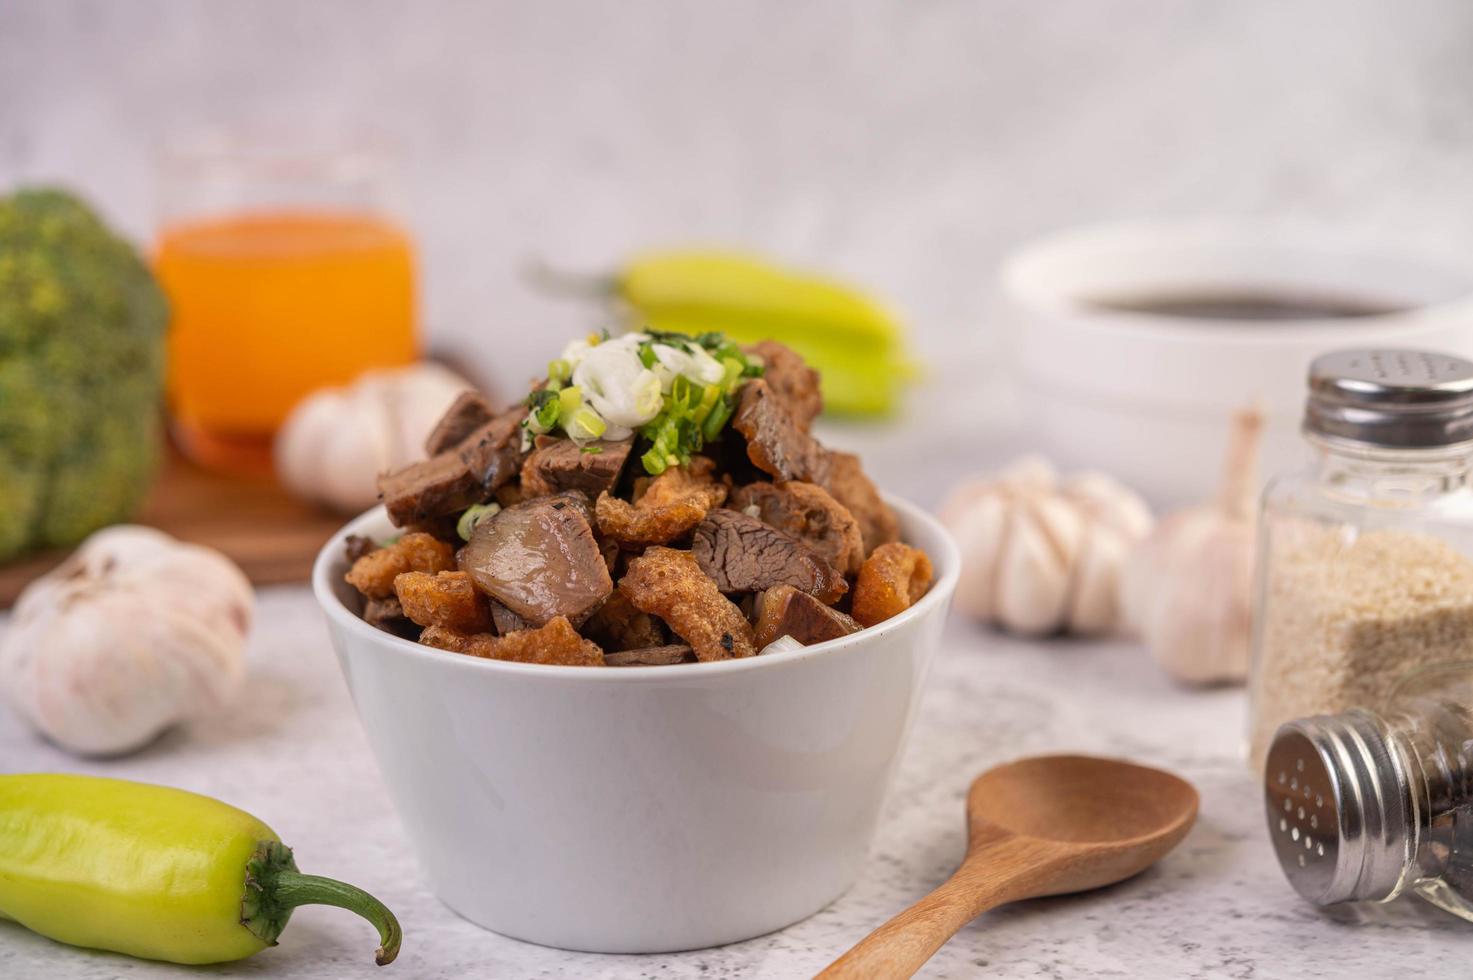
[(269, 306)]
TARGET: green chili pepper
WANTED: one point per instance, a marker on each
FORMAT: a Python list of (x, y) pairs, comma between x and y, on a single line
[(155, 872)]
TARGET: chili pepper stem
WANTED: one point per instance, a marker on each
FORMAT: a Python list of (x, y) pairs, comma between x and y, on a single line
[(274, 887)]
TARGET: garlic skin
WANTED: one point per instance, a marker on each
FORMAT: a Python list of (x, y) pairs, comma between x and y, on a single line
[(337, 441), (1041, 556), (134, 632), (1188, 588)]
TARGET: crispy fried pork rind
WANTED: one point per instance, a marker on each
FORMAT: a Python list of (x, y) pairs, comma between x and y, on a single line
[(556, 643), (618, 625), (669, 584), (672, 504), (890, 581), (446, 599), (374, 573)]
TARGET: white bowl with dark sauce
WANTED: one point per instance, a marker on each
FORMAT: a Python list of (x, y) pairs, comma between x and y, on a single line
[(1136, 342)]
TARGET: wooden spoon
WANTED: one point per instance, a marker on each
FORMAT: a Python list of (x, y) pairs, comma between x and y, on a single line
[(1044, 826)]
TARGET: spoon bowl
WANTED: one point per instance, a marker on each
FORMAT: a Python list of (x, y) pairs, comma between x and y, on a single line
[(1049, 825)]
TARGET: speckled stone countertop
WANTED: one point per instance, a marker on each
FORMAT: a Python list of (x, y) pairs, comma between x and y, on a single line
[(290, 751)]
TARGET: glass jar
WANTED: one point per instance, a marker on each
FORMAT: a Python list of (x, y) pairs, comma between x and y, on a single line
[(1363, 805), (1363, 569), (287, 270)]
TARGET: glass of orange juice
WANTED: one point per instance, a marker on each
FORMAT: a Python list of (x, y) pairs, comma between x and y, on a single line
[(286, 272)]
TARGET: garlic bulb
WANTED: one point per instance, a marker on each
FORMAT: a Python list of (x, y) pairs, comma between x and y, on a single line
[(1187, 589), (132, 633), (1040, 555), (337, 441)]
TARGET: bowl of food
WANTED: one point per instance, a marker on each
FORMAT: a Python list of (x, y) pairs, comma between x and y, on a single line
[(638, 669)]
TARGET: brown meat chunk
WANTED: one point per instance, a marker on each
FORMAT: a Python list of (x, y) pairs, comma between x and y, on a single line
[(786, 611), (776, 444), (669, 584), (846, 482), (355, 546), (374, 573), (446, 599), (465, 415), (810, 514), (890, 581), (555, 643), (791, 379), (540, 560), (649, 656), (388, 615), (504, 619), (457, 478), (744, 554), (430, 488), (671, 504), (561, 464), (618, 625)]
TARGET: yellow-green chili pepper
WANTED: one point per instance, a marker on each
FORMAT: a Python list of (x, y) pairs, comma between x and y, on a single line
[(854, 341), (155, 872)]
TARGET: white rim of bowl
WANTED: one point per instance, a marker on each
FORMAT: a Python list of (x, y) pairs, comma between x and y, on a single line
[(947, 563), (1017, 275)]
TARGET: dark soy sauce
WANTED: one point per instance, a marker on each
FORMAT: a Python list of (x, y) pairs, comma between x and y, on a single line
[(1247, 305)]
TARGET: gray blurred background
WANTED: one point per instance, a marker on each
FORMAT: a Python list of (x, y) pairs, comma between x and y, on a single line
[(908, 145)]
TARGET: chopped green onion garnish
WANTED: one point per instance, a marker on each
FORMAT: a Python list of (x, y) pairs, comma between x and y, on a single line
[(570, 399), (559, 370), (591, 450), (654, 462), (711, 427), (586, 424), (473, 516)]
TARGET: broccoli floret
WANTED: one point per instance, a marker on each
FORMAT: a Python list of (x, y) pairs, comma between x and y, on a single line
[(81, 372)]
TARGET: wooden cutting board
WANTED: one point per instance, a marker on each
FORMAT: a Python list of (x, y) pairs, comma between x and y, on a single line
[(272, 536)]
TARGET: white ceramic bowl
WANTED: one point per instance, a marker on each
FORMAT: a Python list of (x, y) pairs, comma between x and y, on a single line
[(640, 809), (1148, 397)]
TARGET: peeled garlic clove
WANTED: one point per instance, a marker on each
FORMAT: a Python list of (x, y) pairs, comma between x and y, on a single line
[(130, 635), (1033, 573)]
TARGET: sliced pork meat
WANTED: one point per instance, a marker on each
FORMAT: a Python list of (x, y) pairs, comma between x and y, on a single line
[(493, 452), (786, 611), (810, 514), (561, 464), (457, 478), (466, 414), (744, 554), (540, 560), (649, 656), (792, 380), (776, 444), (505, 620), (846, 482)]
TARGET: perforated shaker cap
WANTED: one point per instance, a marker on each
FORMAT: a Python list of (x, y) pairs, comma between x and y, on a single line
[(1391, 398), (1339, 807)]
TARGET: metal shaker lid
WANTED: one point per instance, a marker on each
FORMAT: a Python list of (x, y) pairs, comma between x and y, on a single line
[(1391, 398), (1339, 806)]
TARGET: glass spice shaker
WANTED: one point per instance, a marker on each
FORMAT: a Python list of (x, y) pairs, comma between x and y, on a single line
[(1363, 567), (1363, 805)]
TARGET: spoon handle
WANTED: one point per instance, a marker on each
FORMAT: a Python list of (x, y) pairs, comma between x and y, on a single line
[(989, 877)]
